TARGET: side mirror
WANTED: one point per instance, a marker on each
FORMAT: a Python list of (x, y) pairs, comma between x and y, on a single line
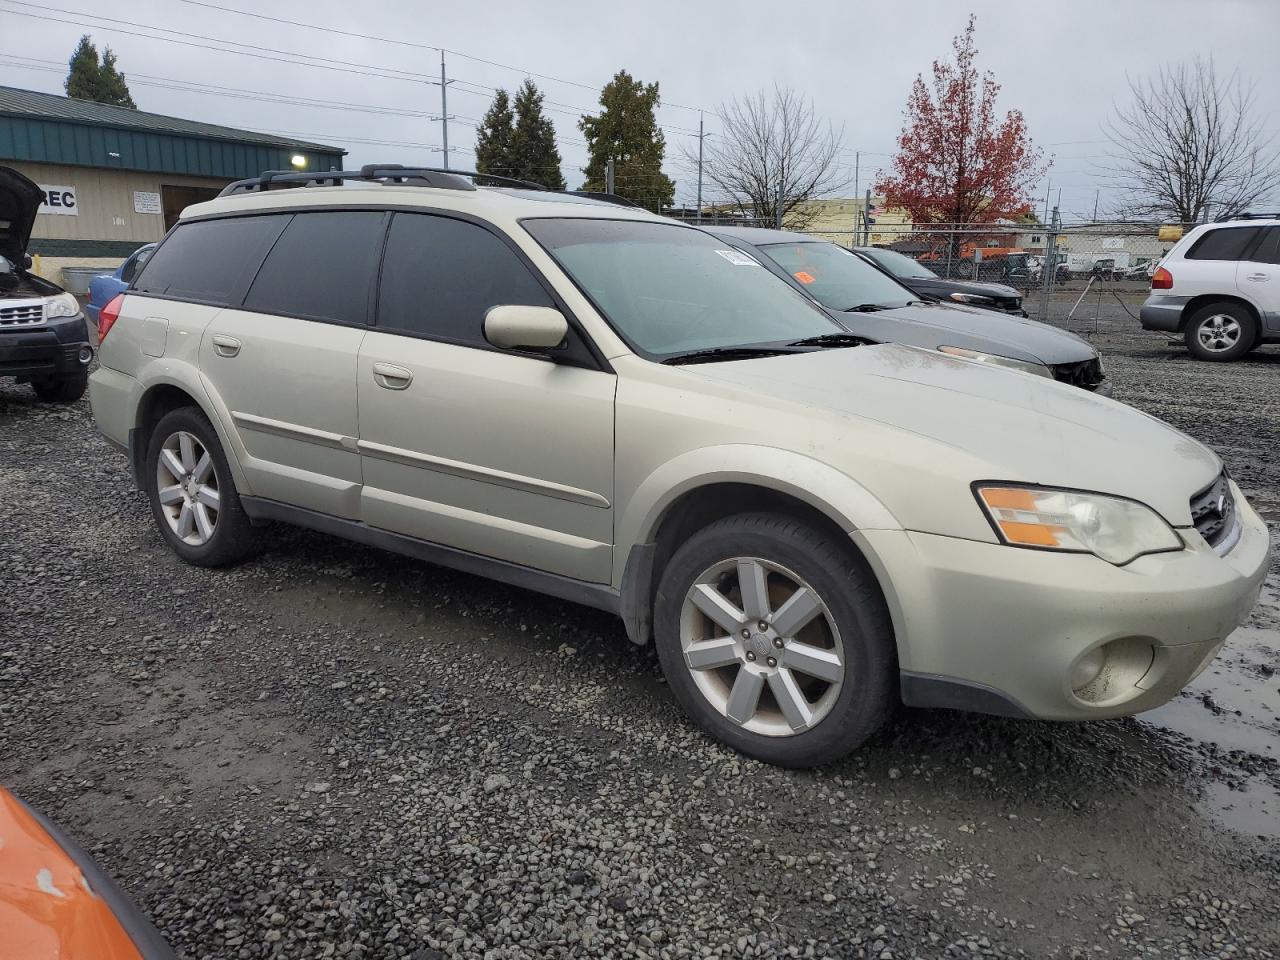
[(516, 327)]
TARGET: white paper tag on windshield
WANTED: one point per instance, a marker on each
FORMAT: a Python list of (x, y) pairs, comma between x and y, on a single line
[(737, 258)]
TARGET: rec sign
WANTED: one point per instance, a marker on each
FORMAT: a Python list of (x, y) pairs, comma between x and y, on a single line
[(60, 201)]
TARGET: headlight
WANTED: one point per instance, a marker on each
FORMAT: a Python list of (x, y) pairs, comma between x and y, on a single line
[(1116, 530), (63, 305), (972, 298), (1026, 366)]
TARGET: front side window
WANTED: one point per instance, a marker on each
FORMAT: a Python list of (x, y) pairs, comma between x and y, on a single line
[(210, 261), (440, 276), (1224, 243), (669, 290), (835, 277), (901, 266), (321, 268)]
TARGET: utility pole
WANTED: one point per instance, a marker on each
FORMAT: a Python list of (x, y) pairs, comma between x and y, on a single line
[(444, 110), (608, 176), (866, 219), (777, 210), (1096, 194), (700, 136)]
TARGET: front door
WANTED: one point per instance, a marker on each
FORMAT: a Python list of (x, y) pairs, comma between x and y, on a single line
[(284, 364), (502, 454)]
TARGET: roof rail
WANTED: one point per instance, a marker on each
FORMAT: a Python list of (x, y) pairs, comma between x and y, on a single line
[(602, 197), (1248, 216), (391, 173)]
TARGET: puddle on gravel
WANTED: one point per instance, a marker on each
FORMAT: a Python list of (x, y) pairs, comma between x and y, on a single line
[(1235, 704)]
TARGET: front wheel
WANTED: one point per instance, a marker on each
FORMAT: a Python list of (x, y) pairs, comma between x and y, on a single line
[(775, 638), (61, 389), (1221, 332), (193, 497)]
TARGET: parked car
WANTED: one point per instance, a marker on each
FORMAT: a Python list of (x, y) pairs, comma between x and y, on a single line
[(57, 904), (620, 410), (1219, 287), (928, 285), (1143, 269), (43, 337), (878, 308), (103, 288)]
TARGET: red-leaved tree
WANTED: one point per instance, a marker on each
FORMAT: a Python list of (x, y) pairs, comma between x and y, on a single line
[(957, 162)]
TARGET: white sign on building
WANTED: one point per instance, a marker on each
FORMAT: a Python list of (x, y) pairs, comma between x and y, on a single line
[(1113, 243), (59, 200), (144, 201)]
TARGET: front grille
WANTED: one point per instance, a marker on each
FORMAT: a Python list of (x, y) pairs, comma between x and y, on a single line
[(1213, 512), (1086, 374), (22, 314)]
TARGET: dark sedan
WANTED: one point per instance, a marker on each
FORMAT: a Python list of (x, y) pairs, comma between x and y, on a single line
[(929, 286)]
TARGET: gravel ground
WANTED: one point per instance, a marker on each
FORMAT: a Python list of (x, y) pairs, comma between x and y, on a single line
[(332, 751)]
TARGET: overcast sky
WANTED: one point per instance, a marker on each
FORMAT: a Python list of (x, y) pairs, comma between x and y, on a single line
[(1063, 64)]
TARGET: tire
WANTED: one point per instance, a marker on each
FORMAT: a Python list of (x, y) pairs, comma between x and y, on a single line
[(1221, 332), (196, 530), (851, 633), (61, 389)]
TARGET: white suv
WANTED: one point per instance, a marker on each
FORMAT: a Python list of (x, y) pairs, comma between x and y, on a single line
[(616, 409), (1220, 288)]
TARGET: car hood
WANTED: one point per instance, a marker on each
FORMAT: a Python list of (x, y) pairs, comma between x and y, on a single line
[(1017, 426), (20, 198), (996, 290)]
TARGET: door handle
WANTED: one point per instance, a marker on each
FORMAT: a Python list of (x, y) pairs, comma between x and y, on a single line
[(225, 346), (391, 377), (1259, 276)]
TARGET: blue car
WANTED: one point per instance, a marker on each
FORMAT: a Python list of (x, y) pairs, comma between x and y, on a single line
[(102, 289)]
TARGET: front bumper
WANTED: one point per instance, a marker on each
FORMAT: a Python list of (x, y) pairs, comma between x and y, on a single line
[(54, 348), (1162, 313), (1001, 628)]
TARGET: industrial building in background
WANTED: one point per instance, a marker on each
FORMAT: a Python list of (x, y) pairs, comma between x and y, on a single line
[(115, 178)]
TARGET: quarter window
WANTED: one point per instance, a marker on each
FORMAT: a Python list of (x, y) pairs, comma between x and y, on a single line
[(211, 261), (440, 276), (1225, 243), (321, 268)]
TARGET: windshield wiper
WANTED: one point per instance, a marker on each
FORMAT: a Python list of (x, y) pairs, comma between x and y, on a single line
[(716, 354), (831, 340), (866, 308)]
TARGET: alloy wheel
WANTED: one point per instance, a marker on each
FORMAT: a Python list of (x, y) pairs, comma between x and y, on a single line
[(762, 647), (1219, 332), (187, 487)]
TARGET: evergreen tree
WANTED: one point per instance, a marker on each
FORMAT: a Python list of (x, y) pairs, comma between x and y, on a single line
[(627, 132), (493, 137), (100, 82), (533, 145)]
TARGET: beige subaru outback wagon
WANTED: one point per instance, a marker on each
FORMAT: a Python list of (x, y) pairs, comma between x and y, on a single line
[(588, 400)]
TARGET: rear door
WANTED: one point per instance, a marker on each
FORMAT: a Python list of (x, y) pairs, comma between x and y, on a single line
[(1209, 264), (498, 453), (283, 363), (1258, 279)]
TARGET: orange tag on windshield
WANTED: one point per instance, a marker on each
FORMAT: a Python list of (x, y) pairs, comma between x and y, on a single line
[(804, 276)]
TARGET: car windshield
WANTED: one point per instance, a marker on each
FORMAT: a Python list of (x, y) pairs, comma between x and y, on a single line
[(670, 290), (835, 277), (900, 265)]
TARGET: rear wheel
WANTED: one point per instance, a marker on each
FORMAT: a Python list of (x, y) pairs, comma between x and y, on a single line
[(61, 389), (775, 639), (193, 497), (1221, 332)]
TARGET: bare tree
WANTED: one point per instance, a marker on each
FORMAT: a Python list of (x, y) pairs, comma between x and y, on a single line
[(767, 141), (1187, 143)]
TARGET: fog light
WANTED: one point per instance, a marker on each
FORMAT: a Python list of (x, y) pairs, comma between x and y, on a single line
[(86, 354), (1087, 668)]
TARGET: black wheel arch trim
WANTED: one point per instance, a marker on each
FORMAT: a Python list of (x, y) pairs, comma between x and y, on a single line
[(936, 692)]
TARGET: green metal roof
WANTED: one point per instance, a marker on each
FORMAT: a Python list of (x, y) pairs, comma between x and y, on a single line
[(47, 128)]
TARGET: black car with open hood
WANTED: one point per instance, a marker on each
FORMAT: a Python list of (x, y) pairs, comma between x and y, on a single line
[(43, 337)]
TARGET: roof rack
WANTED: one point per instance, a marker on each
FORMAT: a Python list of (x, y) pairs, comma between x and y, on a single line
[(1248, 216), (388, 173), (602, 197)]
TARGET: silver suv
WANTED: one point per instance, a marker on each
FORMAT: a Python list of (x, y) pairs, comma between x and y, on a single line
[(604, 405)]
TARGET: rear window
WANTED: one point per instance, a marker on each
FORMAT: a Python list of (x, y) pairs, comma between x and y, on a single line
[(321, 268), (212, 261), (1225, 243)]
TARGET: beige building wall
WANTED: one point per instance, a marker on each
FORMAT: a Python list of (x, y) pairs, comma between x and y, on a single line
[(835, 219), (104, 202)]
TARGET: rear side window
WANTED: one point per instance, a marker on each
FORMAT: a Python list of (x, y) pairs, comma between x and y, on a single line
[(321, 268), (211, 261), (1225, 243), (1269, 249), (440, 276)]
